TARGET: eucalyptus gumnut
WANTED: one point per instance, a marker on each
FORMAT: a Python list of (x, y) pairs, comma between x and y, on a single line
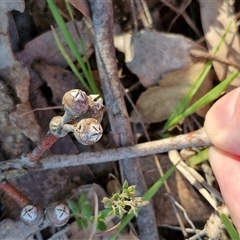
[(57, 127), (75, 102), (88, 131), (95, 109), (57, 213), (31, 215)]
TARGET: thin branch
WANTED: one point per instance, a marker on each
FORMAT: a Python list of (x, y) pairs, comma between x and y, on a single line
[(193, 139), (14, 193), (208, 56), (42, 109), (184, 15), (102, 15), (182, 9), (157, 162), (179, 206), (173, 201), (142, 14), (147, 13), (134, 15)]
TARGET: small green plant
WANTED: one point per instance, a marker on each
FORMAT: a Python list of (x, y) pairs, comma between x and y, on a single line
[(123, 202), (81, 210), (83, 213)]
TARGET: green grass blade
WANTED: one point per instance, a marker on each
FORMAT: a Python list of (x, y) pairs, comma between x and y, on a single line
[(69, 60), (198, 158), (207, 98), (155, 187), (91, 82), (66, 34), (188, 96), (197, 83), (224, 36), (69, 8), (229, 226), (70, 42), (147, 196)]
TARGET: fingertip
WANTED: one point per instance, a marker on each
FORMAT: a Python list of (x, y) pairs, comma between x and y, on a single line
[(222, 123), (226, 168), (220, 114)]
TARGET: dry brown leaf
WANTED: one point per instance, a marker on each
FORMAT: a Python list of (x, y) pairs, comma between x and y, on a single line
[(26, 123), (216, 16), (12, 141), (45, 48), (18, 77), (150, 54), (157, 103), (38, 13), (59, 79), (6, 57), (15, 76), (82, 6)]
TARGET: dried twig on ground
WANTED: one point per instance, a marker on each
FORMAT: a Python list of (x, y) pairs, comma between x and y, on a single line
[(102, 16), (193, 139)]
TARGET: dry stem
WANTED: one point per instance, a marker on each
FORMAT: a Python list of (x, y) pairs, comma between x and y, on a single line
[(102, 16), (193, 139), (14, 193)]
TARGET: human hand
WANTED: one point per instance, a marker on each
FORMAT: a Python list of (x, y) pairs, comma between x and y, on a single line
[(222, 125)]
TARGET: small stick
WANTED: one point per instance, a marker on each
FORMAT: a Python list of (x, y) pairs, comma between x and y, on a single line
[(102, 16), (209, 56), (14, 193), (46, 143), (193, 139), (41, 109)]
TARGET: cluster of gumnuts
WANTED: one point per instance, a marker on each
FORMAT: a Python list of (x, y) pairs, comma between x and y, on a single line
[(83, 115)]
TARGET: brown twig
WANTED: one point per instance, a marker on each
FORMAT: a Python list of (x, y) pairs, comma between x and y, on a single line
[(208, 56), (102, 16), (193, 139), (46, 143), (41, 109), (144, 13), (134, 15), (180, 11), (14, 193), (157, 162), (183, 14)]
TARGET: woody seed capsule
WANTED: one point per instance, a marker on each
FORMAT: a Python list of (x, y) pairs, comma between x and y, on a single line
[(57, 213), (75, 102), (31, 215), (88, 131)]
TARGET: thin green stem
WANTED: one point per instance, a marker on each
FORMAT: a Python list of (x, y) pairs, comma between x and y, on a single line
[(69, 60), (71, 44)]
